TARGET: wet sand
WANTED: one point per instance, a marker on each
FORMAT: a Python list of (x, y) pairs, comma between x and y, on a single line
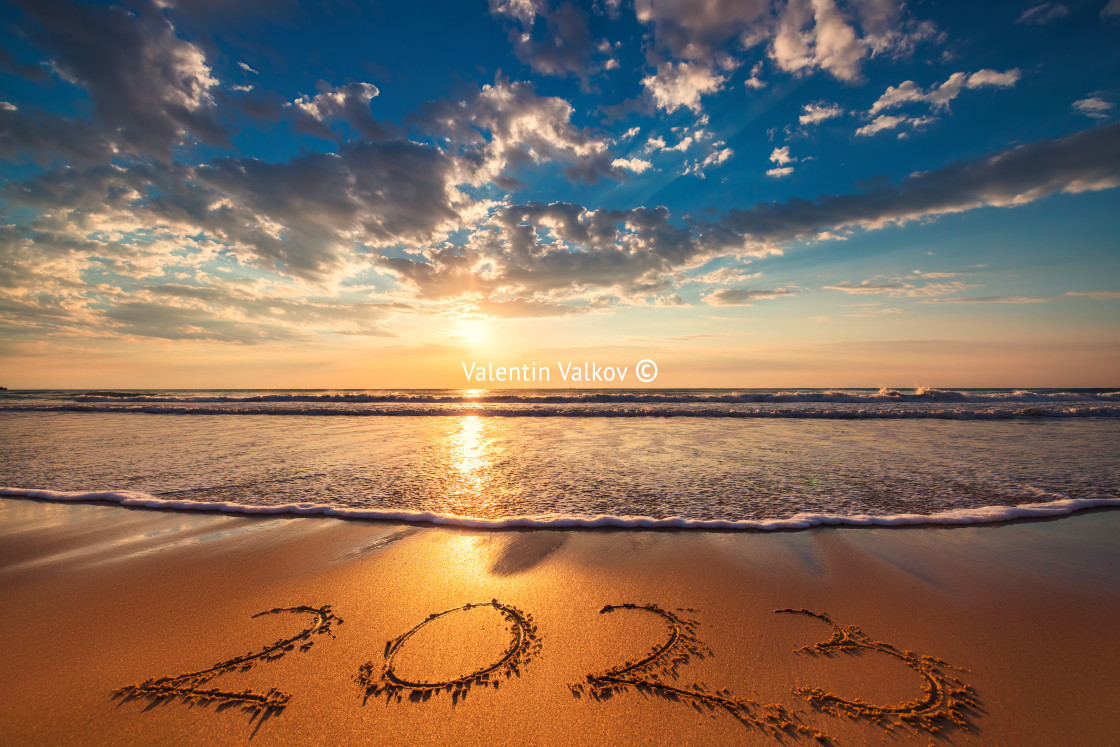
[(600, 637)]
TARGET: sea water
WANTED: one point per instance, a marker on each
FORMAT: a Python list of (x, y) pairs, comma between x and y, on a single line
[(716, 459)]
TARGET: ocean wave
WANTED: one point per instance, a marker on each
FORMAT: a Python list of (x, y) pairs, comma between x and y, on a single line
[(884, 395), (955, 517), (823, 411)]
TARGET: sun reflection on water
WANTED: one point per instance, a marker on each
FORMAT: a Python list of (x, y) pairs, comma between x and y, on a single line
[(471, 450)]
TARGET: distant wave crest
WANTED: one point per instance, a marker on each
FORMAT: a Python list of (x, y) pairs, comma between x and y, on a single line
[(885, 403), (885, 395), (834, 412)]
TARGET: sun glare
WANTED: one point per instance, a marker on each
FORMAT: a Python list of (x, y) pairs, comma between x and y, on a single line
[(473, 331)]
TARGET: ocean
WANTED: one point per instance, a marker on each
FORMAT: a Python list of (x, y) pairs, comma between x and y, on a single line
[(699, 458)]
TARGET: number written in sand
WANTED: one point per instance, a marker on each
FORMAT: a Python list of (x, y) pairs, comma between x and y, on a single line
[(648, 675), (524, 644), (944, 697), (188, 687)]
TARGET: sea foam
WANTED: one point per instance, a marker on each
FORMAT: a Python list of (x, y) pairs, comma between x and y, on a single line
[(962, 516)]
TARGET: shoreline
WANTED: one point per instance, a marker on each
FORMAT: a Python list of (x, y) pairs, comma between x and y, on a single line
[(97, 598), (955, 517)]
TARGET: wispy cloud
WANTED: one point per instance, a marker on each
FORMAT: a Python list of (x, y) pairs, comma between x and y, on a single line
[(743, 296), (989, 299), (1043, 13), (1094, 107)]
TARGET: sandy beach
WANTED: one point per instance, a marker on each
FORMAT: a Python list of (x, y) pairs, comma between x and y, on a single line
[(593, 636)]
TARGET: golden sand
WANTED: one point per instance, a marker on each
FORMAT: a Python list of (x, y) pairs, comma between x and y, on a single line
[(998, 634)]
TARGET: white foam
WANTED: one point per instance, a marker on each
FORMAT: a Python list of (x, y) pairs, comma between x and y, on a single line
[(963, 516)]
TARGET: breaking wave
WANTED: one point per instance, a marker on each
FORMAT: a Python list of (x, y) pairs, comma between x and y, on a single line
[(961, 516)]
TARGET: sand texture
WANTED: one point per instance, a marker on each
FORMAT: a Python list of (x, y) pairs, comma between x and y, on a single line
[(137, 626)]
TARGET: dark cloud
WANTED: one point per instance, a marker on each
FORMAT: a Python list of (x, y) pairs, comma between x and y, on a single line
[(373, 193), (1085, 161), (150, 88), (302, 218), (694, 30), (321, 213), (743, 296), (46, 138), (556, 250), (550, 40), (53, 283), (565, 248), (154, 319)]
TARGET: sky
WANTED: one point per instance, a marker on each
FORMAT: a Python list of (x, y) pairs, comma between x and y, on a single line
[(786, 193)]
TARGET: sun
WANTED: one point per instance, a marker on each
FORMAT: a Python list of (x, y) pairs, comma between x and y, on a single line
[(472, 330)]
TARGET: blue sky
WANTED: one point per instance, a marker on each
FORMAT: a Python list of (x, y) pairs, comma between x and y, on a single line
[(803, 193)]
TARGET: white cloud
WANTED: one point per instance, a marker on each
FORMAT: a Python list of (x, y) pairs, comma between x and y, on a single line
[(8, 107), (725, 276), (938, 97), (829, 42), (1094, 107), (819, 112), (781, 156), (903, 93), (987, 77), (326, 105), (246, 68), (779, 173), (890, 122), (349, 103), (681, 84), (754, 81), (525, 11), (673, 300), (684, 144), (716, 157), (637, 165)]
